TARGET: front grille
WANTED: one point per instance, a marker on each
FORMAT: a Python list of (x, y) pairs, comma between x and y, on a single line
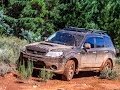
[(36, 52), (38, 64)]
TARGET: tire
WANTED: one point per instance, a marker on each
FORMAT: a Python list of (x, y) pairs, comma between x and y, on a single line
[(69, 70), (108, 65)]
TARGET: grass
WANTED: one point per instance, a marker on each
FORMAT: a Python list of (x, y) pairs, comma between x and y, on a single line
[(112, 74), (45, 75), (25, 69), (108, 74)]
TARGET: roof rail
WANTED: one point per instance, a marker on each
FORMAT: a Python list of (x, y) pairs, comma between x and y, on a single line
[(85, 30), (76, 29), (98, 31)]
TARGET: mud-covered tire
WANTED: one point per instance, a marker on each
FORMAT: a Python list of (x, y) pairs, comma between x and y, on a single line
[(69, 70), (108, 65)]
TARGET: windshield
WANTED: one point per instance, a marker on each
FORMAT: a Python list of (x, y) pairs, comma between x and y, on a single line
[(62, 38)]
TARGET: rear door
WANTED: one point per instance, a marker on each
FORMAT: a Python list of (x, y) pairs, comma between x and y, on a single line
[(103, 47), (100, 50)]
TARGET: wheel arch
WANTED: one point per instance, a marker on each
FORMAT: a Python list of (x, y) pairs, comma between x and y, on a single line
[(105, 62), (111, 61), (75, 60)]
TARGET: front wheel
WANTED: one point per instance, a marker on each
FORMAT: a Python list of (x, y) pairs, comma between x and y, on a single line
[(69, 70)]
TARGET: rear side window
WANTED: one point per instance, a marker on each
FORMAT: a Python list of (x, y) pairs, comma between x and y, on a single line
[(108, 42), (91, 41), (99, 42)]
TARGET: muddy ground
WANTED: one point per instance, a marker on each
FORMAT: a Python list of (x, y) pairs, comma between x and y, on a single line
[(82, 81)]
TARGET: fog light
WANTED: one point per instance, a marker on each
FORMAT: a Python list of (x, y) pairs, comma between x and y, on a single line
[(53, 67)]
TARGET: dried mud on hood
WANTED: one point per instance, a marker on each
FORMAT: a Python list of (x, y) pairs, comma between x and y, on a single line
[(47, 46)]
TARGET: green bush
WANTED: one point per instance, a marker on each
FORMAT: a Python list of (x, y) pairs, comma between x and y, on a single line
[(45, 75)]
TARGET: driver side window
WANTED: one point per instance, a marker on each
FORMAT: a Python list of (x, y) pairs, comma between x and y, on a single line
[(90, 40)]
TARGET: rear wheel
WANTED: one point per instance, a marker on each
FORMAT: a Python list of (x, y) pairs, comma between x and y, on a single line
[(69, 70), (108, 65), (106, 72)]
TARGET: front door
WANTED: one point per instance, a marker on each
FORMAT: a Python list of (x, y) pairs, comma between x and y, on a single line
[(88, 59)]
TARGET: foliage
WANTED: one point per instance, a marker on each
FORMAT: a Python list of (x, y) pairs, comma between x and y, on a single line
[(45, 75), (10, 49), (26, 19), (4, 68), (118, 61), (4, 27), (35, 19), (25, 69), (108, 74)]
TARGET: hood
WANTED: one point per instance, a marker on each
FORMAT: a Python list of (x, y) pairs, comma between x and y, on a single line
[(46, 46)]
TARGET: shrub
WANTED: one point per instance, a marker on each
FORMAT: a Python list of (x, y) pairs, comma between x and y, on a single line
[(25, 69), (45, 75), (9, 52), (4, 69), (108, 74), (31, 36), (118, 60), (10, 48)]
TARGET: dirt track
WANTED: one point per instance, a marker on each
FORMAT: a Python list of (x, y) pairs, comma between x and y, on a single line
[(80, 82)]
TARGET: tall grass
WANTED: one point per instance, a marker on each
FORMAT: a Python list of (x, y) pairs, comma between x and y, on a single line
[(25, 69), (45, 75)]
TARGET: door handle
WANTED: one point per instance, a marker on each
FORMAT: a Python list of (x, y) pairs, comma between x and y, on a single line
[(94, 52), (105, 51)]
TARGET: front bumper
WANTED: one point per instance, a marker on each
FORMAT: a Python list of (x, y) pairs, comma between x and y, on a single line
[(40, 62)]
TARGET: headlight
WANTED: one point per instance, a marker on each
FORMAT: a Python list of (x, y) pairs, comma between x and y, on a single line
[(54, 54)]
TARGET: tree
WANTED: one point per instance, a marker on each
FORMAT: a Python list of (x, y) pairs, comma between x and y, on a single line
[(36, 19)]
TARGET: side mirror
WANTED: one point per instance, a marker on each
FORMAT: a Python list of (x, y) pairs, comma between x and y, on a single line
[(87, 45)]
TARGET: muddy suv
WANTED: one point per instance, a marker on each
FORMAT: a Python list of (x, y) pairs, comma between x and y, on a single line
[(71, 50)]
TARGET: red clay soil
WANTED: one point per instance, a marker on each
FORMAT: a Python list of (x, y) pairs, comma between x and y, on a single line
[(10, 82)]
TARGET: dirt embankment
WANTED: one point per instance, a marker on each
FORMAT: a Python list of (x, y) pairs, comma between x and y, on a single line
[(82, 81)]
